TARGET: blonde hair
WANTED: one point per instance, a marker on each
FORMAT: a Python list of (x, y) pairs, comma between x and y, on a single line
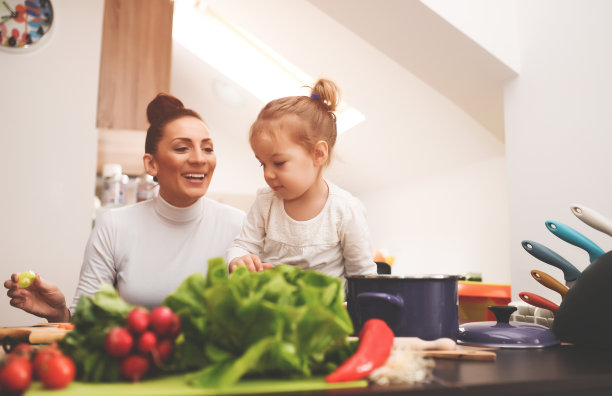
[(311, 118)]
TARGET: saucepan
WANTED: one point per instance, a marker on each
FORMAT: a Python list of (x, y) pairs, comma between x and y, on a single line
[(423, 306), (427, 307)]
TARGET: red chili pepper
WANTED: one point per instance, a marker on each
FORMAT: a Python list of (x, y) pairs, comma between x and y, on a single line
[(375, 343)]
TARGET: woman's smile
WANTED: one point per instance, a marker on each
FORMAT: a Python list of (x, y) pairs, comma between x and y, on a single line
[(184, 162)]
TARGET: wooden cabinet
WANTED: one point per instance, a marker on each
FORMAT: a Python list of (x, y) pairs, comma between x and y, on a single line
[(135, 62)]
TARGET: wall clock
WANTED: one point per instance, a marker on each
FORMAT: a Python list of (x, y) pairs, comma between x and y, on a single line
[(24, 24)]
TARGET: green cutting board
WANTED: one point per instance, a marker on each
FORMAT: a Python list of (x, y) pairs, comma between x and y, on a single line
[(176, 385)]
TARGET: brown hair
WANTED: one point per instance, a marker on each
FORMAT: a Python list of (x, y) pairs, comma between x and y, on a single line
[(315, 113), (162, 110)]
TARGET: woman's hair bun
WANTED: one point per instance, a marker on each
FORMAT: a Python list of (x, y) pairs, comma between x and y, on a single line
[(162, 106)]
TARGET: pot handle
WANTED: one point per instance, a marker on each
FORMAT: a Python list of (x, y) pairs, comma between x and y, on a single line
[(390, 298)]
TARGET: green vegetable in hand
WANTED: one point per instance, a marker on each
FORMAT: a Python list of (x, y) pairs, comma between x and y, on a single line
[(283, 322), (26, 279)]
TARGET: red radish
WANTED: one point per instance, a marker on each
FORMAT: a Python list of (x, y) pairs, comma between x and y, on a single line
[(138, 320), (16, 375), (161, 320), (163, 349), (118, 342), (175, 327), (134, 367), (57, 372), (146, 342)]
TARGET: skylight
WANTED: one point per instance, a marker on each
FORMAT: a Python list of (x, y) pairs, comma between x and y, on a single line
[(228, 49)]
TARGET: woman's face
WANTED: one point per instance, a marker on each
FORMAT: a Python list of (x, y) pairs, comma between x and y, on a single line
[(184, 161)]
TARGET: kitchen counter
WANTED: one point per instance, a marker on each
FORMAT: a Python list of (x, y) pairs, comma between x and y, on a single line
[(559, 370)]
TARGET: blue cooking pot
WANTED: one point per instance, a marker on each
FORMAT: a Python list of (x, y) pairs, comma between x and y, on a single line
[(413, 306)]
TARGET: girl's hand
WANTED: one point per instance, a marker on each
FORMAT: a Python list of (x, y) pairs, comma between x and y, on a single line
[(251, 261), (41, 298)]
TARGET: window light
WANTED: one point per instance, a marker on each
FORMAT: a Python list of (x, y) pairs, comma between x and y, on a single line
[(243, 59)]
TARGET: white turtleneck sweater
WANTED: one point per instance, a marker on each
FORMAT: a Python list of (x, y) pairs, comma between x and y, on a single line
[(146, 250)]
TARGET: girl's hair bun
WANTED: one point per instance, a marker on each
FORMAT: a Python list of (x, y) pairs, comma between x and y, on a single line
[(327, 92), (162, 107)]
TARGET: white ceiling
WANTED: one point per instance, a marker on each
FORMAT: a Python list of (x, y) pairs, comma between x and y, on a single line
[(395, 60)]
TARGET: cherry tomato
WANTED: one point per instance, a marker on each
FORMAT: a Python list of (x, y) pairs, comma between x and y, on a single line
[(16, 375), (57, 372)]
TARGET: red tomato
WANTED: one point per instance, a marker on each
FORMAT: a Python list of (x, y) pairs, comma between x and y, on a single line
[(42, 355), (57, 372), (16, 375)]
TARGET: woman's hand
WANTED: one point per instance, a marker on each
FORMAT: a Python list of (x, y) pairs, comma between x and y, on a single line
[(251, 261), (41, 298)]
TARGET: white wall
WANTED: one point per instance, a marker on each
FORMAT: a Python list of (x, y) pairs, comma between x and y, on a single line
[(490, 23), (451, 224), (558, 130), (48, 143)]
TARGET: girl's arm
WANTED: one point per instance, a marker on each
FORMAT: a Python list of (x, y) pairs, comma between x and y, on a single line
[(355, 240), (249, 243)]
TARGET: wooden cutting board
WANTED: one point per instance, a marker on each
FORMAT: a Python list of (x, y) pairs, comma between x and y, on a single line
[(40, 334), (176, 385)]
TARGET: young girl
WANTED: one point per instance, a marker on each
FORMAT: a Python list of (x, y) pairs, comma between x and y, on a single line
[(301, 219)]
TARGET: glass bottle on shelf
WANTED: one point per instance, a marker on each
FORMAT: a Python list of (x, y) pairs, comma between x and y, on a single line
[(145, 188), (113, 185)]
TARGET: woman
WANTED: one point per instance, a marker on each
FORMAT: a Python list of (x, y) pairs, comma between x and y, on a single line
[(146, 250)]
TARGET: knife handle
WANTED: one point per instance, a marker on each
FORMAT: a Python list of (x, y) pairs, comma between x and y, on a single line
[(592, 218), (539, 301), (569, 235), (541, 252), (549, 282)]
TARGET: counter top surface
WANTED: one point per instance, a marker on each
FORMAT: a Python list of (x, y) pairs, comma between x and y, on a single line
[(558, 370)]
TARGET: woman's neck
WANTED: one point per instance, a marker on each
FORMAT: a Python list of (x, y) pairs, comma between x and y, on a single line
[(310, 203)]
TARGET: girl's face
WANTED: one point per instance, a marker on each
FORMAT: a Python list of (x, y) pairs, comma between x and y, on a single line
[(289, 169), (184, 161)]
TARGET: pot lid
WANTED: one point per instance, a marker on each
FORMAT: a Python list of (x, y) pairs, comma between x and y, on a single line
[(506, 334)]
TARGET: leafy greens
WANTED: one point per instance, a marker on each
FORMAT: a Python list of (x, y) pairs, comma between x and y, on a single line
[(284, 322), (93, 318)]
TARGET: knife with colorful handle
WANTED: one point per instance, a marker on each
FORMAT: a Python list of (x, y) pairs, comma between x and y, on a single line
[(539, 301), (548, 281), (592, 218), (541, 252), (569, 235)]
